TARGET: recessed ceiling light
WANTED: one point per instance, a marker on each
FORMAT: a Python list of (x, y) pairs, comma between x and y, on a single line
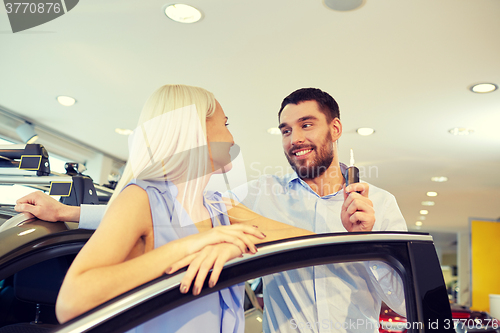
[(483, 88), (418, 223), (432, 194), (365, 131), (66, 100), (123, 131), (343, 5), (183, 13), (274, 131), (424, 212), (461, 131), (428, 203), (421, 218), (439, 179)]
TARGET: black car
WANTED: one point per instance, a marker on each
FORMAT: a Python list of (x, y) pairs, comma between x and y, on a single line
[(35, 255)]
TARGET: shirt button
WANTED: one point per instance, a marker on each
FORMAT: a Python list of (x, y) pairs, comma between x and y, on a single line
[(389, 292), (374, 267)]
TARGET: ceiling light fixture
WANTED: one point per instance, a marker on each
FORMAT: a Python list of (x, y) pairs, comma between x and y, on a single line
[(424, 212), (274, 131), (27, 133), (483, 88), (418, 223), (183, 13), (428, 203), (365, 131), (343, 5), (461, 131), (66, 100), (421, 218), (440, 179), (432, 194), (123, 131)]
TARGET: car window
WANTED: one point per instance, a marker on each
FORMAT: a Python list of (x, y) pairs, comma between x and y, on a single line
[(361, 296), (29, 295)]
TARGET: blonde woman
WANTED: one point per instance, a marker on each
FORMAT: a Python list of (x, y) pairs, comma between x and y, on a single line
[(160, 214)]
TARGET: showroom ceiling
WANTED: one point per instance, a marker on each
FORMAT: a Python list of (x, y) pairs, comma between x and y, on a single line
[(403, 68)]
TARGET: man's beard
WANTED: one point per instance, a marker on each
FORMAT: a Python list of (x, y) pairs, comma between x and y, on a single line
[(318, 166)]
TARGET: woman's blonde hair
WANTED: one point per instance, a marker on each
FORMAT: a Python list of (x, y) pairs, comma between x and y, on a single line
[(170, 140)]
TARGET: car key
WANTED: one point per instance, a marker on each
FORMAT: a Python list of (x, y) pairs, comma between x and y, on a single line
[(351, 174)]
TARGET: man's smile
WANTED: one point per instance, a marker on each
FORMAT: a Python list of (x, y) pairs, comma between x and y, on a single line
[(302, 153)]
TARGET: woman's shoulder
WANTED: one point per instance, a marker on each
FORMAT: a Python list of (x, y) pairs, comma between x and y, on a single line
[(130, 206), (154, 186), (132, 191)]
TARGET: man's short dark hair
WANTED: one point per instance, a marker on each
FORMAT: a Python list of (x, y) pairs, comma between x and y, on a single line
[(327, 105)]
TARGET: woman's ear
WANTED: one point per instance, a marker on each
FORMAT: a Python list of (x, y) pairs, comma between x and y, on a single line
[(336, 129)]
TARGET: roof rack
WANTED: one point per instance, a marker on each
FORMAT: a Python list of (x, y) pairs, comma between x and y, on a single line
[(29, 165)]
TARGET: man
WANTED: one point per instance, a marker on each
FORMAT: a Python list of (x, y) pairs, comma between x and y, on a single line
[(328, 297), (321, 298)]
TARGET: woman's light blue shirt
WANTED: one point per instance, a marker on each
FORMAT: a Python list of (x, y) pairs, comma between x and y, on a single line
[(218, 312)]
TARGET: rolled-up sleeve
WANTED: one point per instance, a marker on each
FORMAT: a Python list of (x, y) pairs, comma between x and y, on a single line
[(91, 216)]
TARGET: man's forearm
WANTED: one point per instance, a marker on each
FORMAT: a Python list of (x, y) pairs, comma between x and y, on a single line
[(274, 230)]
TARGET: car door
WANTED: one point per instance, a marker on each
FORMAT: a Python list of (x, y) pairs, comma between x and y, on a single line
[(411, 256)]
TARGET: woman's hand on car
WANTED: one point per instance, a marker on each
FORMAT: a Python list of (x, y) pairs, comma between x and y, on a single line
[(234, 234), (211, 257), (211, 250)]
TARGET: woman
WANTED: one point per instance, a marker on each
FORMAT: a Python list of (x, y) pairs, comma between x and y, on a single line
[(159, 215)]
